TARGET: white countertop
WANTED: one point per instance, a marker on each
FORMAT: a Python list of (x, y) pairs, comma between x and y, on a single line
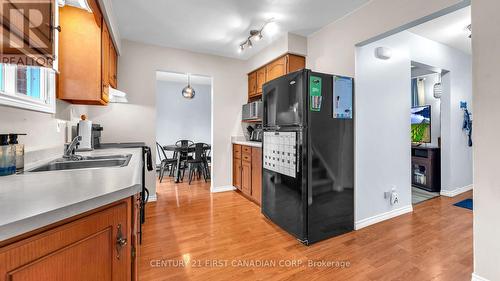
[(241, 140), (33, 200)]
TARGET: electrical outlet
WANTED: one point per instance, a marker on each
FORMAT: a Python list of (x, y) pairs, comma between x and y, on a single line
[(392, 195)]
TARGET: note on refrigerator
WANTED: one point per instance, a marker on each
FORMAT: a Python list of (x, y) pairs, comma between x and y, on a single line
[(280, 152)]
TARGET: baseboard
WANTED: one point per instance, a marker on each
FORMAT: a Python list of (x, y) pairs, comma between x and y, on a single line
[(455, 192), (476, 277), (223, 188), (152, 198), (382, 217)]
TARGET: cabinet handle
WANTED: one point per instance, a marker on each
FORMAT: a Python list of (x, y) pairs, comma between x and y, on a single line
[(120, 241)]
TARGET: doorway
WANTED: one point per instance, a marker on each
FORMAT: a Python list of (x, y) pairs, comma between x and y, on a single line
[(183, 129)]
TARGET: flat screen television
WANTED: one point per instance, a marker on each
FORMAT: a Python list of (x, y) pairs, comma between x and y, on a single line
[(421, 124)]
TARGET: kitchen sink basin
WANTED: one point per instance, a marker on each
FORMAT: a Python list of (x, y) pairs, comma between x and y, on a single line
[(86, 162)]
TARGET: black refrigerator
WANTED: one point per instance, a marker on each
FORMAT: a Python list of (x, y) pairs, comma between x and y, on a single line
[(308, 154)]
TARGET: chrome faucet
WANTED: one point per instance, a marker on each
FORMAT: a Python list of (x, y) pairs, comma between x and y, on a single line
[(69, 149)]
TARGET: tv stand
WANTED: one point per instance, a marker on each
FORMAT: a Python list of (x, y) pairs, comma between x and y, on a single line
[(426, 168)]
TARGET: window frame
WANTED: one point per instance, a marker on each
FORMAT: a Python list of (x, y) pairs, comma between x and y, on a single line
[(10, 97)]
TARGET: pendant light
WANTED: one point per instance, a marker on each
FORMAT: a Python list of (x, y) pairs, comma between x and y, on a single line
[(188, 92)]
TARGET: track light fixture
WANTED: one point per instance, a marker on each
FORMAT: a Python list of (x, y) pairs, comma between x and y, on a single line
[(255, 34)]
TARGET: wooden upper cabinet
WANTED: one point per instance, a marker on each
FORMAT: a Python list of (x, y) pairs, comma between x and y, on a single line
[(261, 79), (87, 56), (105, 41), (34, 36), (79, 79), (276, 68), (295, 63), (252, 84), (113, 66), (84, 249)]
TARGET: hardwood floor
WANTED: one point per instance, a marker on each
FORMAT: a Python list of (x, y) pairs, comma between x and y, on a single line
[(191, 234)]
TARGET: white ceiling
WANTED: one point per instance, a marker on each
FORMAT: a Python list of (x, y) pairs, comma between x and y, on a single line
[(183, 78), (450, 29), (219, 26)]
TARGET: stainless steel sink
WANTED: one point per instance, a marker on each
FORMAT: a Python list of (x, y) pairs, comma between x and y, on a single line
[(86, 162)]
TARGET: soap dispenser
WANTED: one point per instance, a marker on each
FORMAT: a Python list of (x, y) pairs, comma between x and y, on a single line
[(7, 156), (19, 150)]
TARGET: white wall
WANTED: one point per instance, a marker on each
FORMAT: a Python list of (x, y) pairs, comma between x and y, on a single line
[(382, 122), (332, 48), (45, 131), (136, 121), (383, 111), (288, 43), (486, 35), (179, 118)]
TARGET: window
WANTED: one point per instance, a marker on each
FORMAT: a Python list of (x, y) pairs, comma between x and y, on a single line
[(28, 87), (28, 81)]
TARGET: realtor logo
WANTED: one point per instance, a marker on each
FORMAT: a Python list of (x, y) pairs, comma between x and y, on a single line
[(26, 32)]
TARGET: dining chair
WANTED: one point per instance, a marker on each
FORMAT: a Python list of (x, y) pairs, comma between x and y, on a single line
[(207, 149), (184, 146), (196, 165), (166, 163)]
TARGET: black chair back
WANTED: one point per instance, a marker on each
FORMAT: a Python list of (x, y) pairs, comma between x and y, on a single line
[(161, 151), (199, 149)]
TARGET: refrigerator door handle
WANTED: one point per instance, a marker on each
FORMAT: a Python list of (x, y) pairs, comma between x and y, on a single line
[(298, 151)]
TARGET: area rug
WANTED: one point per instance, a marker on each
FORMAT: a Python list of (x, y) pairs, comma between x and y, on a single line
[(467, 204), (419, 195)]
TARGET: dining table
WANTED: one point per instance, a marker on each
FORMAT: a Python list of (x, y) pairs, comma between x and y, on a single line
[(178, 150)]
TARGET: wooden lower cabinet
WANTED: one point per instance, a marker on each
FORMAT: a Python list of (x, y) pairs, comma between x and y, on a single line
[(257, 174), (98, 245), (247, 171), (246, 177)]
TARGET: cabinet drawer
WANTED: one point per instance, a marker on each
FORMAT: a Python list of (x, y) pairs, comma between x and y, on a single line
[(237, 151), (246, 157), (246, 149)]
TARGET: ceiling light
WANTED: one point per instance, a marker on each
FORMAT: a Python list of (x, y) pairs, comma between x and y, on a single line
[(188, 91), (255, 34)]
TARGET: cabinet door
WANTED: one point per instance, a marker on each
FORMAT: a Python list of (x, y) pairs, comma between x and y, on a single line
[(295, 63), (105, 56), (113, 61), (134, 237), (84, 249), (257, 174), (276, 68), (28, 35), (261, 79), (246, 177), (80, 60), (237, 173), (252, 84)]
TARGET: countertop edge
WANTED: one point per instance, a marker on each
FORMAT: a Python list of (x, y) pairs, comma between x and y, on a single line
[(41, 220), (248, 143)]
